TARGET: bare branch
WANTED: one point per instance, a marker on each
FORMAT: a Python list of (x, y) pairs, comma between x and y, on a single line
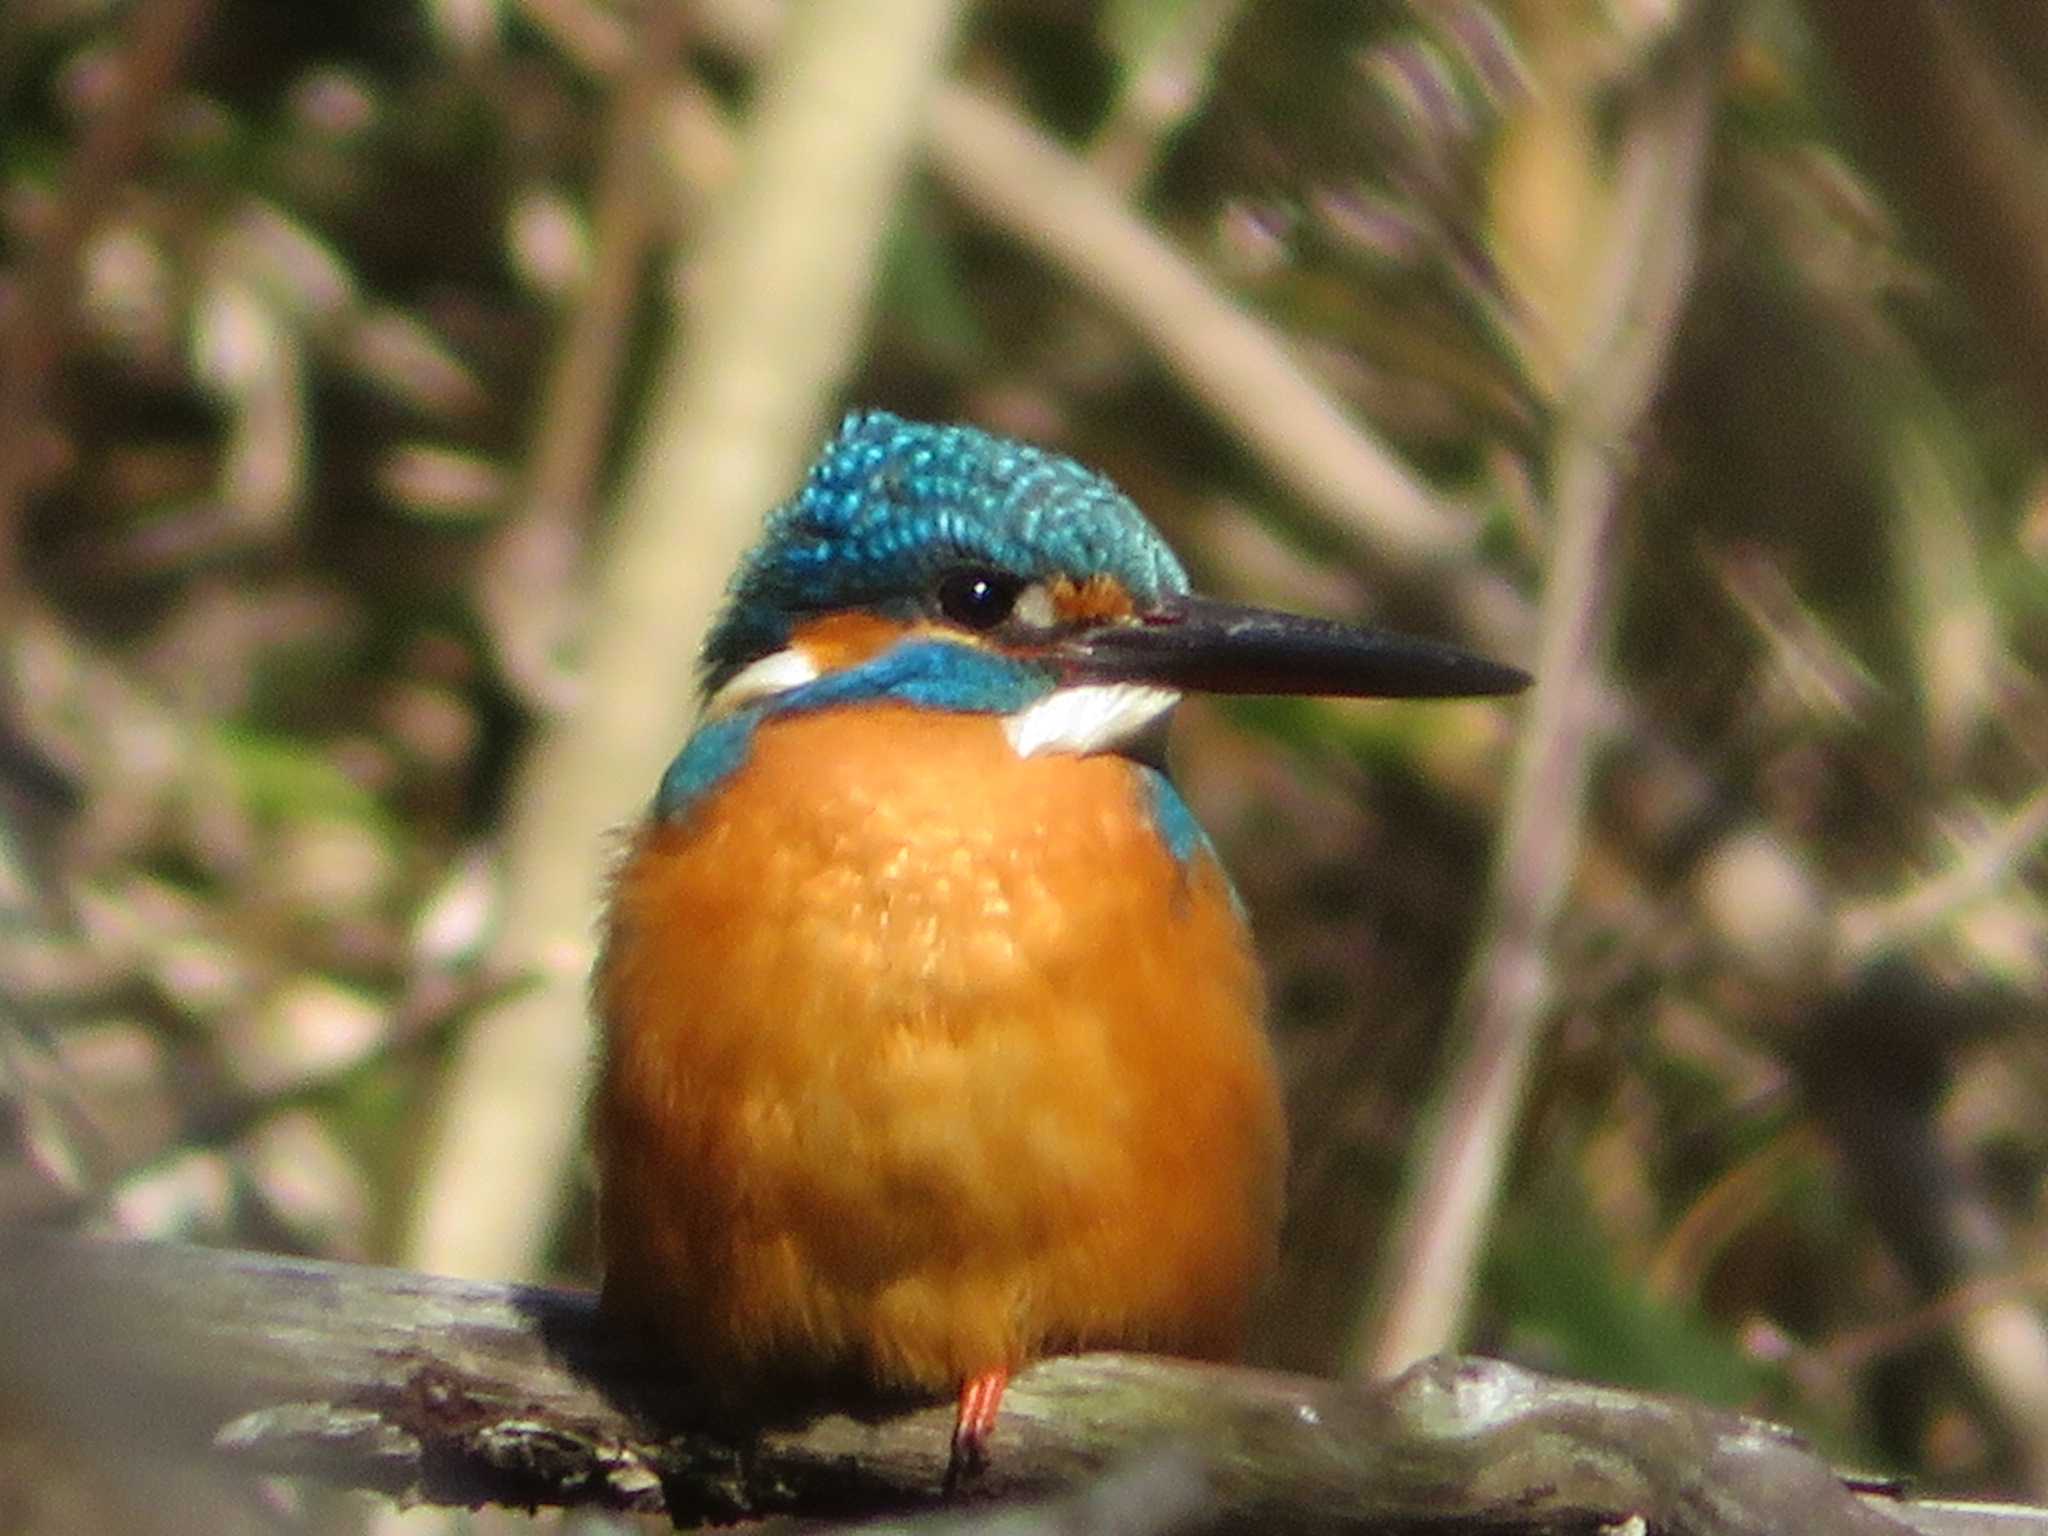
[(1503, 1005), (530, 564), (1020, 181), (462, 1392)]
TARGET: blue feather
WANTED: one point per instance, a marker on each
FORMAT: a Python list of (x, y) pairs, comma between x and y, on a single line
[(1173, 820), (929, 674), (892, 505), (712, 755), (889, 508)]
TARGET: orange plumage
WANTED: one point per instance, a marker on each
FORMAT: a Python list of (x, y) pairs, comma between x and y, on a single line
[(923, 1059)]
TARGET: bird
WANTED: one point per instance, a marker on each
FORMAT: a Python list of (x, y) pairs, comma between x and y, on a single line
[(932, 1036)]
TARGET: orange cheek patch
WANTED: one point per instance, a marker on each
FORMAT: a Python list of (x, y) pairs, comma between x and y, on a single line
[(1098, 598), (842, 640)]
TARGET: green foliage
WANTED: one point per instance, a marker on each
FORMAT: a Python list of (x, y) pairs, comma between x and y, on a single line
[(1570, 1303)]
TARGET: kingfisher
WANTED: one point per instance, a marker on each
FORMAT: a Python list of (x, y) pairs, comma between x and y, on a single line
[(933, 1038)]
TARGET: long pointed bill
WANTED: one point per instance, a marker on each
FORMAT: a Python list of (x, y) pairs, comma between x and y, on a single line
[(1195, 644)]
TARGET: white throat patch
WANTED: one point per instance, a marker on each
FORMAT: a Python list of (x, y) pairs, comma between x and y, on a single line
[(1094, 717)]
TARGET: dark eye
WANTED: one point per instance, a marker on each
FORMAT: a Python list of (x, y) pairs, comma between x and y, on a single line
[(978, 599)]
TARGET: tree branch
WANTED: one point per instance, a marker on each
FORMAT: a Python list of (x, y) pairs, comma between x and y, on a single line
[(462, 1392), (1023, 183)]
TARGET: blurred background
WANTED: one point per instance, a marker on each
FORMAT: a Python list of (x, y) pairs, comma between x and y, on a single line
[(386, 389)]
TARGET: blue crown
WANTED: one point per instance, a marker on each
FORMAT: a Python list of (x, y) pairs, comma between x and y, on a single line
[(891, 506)]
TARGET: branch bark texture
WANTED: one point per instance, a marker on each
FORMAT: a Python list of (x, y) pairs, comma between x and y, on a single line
[(464, 1392)]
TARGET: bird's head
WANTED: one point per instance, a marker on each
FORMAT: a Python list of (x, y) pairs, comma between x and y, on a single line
[(946, 567)]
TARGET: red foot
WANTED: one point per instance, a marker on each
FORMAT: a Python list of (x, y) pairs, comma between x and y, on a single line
[(981, 1399)]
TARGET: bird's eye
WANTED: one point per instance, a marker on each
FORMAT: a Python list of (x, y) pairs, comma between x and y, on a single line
[(978, 599)]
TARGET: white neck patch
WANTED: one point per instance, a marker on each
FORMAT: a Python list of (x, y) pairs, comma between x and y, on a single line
[(1093, 717)]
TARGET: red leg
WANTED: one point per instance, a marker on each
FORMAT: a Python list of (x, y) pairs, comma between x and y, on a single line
[(981, 1399)]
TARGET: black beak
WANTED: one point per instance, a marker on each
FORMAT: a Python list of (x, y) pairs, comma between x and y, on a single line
[(1195, 644)]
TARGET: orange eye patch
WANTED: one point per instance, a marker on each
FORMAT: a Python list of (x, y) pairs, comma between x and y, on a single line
[(1098, 598), (842, 640)]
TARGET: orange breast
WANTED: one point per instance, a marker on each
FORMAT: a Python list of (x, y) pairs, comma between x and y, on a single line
[(922, 1059)]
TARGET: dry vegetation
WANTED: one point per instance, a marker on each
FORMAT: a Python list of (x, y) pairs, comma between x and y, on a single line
[(1679, 1027)]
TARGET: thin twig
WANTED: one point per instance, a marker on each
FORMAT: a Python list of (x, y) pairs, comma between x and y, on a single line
[(1858, 1349), (1964, 151), (1034, 190), (1441, 1228), (1160, 92), (528, 570), (1980, 868)]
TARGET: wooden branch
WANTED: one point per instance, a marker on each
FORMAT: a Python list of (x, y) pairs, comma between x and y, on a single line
[(460, 1392)]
